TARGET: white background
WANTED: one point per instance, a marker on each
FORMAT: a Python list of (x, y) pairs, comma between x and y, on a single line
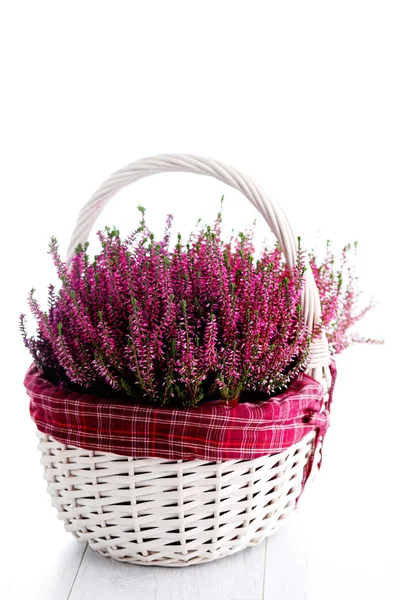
[(304, 97)]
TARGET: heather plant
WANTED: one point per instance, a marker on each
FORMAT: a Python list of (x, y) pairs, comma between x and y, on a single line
[(197, 321)]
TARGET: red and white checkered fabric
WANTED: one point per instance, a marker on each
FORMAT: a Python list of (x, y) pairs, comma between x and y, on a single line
[(208, 432)]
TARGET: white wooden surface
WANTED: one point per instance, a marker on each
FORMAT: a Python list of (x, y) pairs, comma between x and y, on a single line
[(228, 578), (342, 542)]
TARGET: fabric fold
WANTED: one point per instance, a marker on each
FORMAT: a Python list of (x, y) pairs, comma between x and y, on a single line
[(207, 432)]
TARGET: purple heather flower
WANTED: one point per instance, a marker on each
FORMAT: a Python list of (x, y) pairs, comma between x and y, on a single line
[(185, 323)]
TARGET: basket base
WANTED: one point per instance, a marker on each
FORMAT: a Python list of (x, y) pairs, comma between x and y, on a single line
[(195, 560)]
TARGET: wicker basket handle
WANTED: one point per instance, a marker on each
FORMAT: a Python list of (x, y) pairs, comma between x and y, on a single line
[(272, 213)]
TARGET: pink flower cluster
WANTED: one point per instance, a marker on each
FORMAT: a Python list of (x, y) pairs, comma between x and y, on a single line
[(199, 321), (340, 297)]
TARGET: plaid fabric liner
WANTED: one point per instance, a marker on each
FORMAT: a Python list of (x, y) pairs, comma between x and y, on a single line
[(208, 432)]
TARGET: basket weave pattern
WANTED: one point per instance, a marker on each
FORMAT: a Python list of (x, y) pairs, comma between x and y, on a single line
[(172, 513)]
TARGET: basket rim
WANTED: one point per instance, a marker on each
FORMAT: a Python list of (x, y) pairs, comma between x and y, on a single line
[(34, 376), (208, 432)]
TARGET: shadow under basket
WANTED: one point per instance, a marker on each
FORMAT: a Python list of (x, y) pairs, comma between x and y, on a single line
[(172, 513)]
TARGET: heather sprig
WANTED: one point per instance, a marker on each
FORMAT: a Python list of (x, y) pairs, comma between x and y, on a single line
[(341, 297)]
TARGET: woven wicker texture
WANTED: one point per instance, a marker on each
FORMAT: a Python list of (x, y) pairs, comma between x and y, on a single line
[(177, 513), (172, 513)]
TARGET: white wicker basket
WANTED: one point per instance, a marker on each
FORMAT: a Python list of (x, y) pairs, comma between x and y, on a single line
[(177, 513)]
